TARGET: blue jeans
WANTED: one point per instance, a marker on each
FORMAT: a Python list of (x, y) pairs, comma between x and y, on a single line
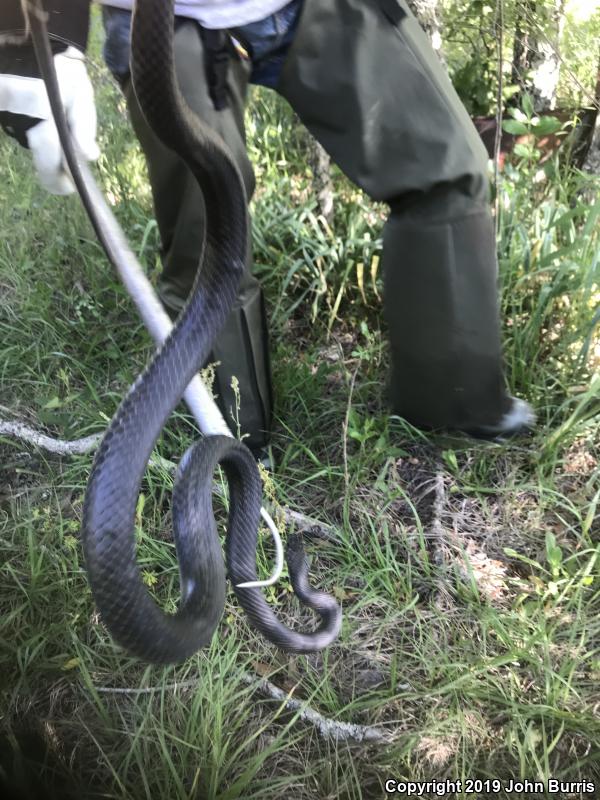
[(266, 41)]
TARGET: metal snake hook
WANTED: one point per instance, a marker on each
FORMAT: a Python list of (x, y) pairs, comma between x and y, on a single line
[(111, 236)]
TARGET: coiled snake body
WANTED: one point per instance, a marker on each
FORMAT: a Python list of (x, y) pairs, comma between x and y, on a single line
[(125, 605), (108, 527)]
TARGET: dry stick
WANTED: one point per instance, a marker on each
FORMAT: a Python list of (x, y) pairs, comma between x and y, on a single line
[(64, 448), (310, 526), (327, 728), (436, 526), (438, 532), (18, 430)]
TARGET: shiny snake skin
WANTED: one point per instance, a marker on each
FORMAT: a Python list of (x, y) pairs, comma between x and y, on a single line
[(125, 606)]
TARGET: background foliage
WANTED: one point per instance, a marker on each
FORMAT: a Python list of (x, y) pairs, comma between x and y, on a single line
[(472, 31)]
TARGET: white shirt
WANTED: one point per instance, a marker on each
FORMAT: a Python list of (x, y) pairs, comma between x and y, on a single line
[(217, 13)]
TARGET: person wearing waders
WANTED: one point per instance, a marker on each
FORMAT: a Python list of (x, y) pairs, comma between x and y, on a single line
[(363, 78)]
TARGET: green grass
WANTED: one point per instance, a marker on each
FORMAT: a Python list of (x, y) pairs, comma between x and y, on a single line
[(468, 573)]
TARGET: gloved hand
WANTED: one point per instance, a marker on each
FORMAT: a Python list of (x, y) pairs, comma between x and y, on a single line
[(24, 107)]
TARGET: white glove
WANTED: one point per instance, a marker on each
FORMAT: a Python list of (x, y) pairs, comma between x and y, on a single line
[(27, 96)]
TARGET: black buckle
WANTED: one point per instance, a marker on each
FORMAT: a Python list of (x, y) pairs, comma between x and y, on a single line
[(216, 65), (393, 10)]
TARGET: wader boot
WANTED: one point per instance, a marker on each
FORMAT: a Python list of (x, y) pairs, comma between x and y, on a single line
[(364, 79), (242, 345)]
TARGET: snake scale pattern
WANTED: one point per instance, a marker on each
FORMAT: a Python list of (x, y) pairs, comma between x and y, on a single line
[(129, 612)]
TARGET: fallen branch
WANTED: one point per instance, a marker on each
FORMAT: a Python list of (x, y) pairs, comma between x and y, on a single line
[(169, 687), (310, 526), (439, 540), (17, 430), (327, 728), (64, 448), (437, 508)]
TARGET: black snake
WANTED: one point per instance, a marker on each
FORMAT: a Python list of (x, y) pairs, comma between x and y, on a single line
[(125, 605)]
